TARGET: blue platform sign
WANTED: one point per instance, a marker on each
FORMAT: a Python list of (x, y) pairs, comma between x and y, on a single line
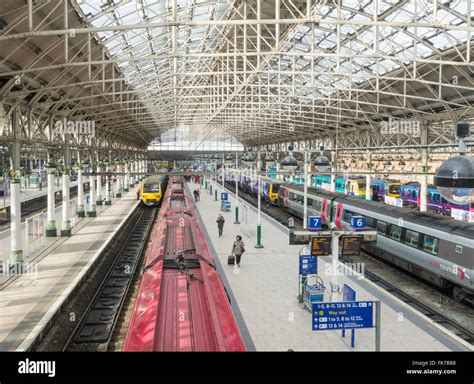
[(358, 222), (224, 196), (308, 265), (315, 223), (88, 199), (348, 294), (343, 315)]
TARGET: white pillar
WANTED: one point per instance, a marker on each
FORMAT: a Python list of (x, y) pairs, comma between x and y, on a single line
[(51, 225), (91, 212), (16, 252), (98, 198), (236, 190), (305, 191), (108, 200), (334, 265), (424, 181), (126, 178), (80, 193), (66, 214), (333, 171), (368, 186)]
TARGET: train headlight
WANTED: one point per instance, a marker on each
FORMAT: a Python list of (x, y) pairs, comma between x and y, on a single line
[(455, 180)]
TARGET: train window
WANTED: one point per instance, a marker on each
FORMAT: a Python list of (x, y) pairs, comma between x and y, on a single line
[(299, 199), (381, 227), (309, 202), (436, 197), (395, 232), (275, 188), (370, 222), (430, 244), (411, 238), (317, 205), (149, 188), (347, 215)]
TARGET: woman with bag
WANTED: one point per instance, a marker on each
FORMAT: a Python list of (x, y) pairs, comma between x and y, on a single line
[(238, 249)]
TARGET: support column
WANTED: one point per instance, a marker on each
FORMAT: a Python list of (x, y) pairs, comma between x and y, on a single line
[(259, 222), (305, 191), (51, 230), (98, 197), (368, 186), (424, 181), (92, 212), (333, 170), (80, 191), (127, 177), (334, 266), (118, 187), (237, 189), (66, 211), (16, 251), (108, 200)]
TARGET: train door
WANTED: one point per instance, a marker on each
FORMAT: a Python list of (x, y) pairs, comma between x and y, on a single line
[(324, 209), (338, 218)]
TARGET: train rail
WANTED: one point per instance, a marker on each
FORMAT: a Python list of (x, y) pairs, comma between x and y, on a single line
[(95, 328), (453, 326)]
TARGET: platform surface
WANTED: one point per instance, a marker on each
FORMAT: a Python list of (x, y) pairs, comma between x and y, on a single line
[(265, 289), (29, 300)]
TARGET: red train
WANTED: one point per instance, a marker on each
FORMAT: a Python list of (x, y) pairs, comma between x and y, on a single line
[(181, 304)]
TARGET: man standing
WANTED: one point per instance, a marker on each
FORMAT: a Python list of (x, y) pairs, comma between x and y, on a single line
[(220, 224)]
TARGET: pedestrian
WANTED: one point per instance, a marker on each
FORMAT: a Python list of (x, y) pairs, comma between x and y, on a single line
[(238, 248), (138, 193), (198, 193), (220, 224), (195, 196)]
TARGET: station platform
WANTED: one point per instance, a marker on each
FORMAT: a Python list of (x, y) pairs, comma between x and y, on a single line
[(28, 302), (264, 291)]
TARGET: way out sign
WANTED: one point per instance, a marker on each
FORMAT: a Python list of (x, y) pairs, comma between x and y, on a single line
[(224, 196), (343, 315)]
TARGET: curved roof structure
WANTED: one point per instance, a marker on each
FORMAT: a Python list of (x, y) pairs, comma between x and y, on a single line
[(262, 71)]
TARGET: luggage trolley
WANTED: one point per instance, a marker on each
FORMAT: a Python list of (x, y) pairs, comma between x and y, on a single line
[(313, 291)]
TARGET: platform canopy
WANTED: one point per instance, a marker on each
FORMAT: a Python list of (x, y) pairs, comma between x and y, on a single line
[(260, 71)]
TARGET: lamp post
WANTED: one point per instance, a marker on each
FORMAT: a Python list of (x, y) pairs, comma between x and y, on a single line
[(259, 200)]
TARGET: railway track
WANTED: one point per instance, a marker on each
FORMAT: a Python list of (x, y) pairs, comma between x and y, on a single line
[(453, 326), (95, 328)]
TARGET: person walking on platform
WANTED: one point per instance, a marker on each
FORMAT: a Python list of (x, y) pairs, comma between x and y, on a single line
[(220, 224), (138, 193), (195, 195), (238, 248)]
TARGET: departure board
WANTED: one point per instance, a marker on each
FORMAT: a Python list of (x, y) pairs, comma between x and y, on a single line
[(320, 245), (351, 245)]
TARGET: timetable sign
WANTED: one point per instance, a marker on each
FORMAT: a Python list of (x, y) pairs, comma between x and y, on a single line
[(342, 315), (320, 245), (224, 196), (351, 245), (308, 265)]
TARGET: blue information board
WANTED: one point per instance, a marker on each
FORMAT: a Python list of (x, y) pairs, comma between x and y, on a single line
[(224, 196), (308, 265), (314, 223), (343, 315), (358, 222), (88, 199), (348, 294)]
